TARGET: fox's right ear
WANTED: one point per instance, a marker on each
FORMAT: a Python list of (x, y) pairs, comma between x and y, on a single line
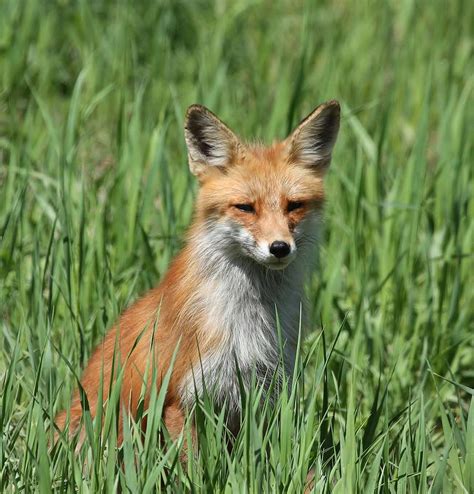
[(210, 142)]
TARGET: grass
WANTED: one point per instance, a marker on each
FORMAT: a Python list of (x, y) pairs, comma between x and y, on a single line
[(95, 196)]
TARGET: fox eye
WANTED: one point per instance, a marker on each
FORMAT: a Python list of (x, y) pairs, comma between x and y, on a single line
[(293, 205), (247, 208)]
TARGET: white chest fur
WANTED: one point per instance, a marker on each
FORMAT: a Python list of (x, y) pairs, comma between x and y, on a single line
[(241, 302)]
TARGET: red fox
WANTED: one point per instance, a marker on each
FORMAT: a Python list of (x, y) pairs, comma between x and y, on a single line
[(248, 252)]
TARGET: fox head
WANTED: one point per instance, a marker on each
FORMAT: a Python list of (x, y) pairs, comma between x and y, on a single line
[(257, 202)]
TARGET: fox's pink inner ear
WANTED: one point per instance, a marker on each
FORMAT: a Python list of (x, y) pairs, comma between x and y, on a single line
[(312, 142), (210, 142)]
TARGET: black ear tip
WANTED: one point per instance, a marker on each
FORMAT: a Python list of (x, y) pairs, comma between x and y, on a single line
[(196, 116), (331, 114), (332, 106), (199, 116), (195, 110)]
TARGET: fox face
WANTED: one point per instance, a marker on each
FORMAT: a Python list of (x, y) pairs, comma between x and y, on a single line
[(256, 202)]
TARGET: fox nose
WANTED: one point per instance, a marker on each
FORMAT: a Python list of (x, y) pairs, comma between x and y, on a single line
[(279, 249)]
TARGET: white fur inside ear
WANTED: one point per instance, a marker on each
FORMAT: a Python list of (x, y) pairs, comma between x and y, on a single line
[(313, 140), (210, 142)]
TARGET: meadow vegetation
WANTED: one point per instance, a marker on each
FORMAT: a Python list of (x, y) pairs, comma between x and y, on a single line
[(95, 197)]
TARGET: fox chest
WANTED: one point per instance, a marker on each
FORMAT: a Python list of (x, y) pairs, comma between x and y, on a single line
[(244, 318)]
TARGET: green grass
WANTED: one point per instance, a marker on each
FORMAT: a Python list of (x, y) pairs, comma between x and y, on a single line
[(95, 196)]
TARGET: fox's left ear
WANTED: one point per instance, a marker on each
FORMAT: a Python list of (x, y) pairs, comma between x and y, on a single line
[(311, 143), (210, 142)]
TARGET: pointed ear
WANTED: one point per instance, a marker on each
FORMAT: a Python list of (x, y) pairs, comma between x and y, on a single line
[(210, 142), (311, 143)]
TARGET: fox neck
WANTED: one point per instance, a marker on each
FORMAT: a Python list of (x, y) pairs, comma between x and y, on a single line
[(232, 283)]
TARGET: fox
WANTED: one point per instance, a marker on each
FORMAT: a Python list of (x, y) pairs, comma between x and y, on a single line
[(231, 300)]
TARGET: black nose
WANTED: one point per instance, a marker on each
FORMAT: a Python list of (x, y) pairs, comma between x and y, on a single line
[(279, 249)]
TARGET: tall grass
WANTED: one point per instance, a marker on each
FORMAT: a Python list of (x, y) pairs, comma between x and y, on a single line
[(95, 197)]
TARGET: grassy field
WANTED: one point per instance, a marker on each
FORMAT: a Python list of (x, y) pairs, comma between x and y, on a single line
[(95, 196)]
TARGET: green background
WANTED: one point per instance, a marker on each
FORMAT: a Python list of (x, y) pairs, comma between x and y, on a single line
[(95, 196)]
